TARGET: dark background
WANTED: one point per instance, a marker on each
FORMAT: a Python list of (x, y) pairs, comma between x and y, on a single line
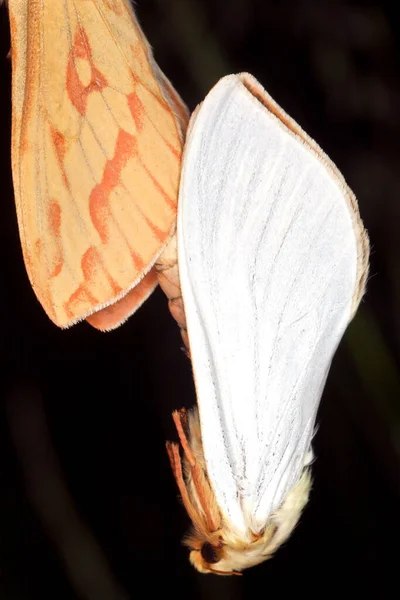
[(88, 506)]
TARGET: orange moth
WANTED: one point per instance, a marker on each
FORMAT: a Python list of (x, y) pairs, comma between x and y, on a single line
[(97, 134)]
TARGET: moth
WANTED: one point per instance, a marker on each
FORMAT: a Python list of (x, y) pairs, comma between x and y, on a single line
[(267, 269), (273, 262), (97, 133)]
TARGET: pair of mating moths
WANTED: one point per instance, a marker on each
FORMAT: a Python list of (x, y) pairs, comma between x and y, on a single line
[(272, 254)]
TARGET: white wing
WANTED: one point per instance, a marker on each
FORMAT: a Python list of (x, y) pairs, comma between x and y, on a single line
[(270, 257)]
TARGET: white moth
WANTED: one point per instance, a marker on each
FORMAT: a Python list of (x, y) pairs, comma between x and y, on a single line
[(273, 259)]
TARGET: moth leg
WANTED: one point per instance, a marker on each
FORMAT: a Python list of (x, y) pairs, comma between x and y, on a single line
[(176, 465), (203, 492), (180, 420), (195, 516)]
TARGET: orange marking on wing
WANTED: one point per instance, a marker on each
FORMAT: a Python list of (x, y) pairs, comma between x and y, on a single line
[(138, 261), (59, 145), (175, 152), (78, 93), (92, 261), (81, 295), (91, 264), (99, 200), (139, 51), (159, 233), (54, 218), (115, 6), (13, 36), (137, 110), (140, 54)]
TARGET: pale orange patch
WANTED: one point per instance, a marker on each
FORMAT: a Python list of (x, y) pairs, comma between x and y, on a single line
[(172, 203), (137, 110), (112, 316)]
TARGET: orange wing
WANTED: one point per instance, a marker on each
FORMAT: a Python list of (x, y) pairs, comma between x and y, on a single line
[(96, 149)]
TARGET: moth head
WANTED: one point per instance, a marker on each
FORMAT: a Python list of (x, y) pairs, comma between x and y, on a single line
[(228, 554), (208, 557), (216, 546)]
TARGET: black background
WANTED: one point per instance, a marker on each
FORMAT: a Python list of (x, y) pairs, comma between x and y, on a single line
[(88, 506)]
